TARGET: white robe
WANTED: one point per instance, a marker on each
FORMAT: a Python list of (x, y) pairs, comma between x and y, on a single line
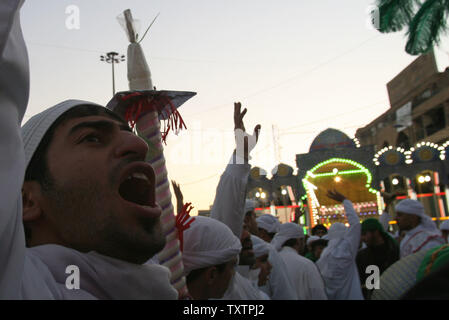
[(241, 288), (304, 275), (337, 262), (279, 285), (419, 239), (40, 272), (228, 208)]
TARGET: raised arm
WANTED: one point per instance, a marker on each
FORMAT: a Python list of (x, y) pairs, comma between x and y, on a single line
[(229, 200), (178, 195), (14, 91), (355, 228)]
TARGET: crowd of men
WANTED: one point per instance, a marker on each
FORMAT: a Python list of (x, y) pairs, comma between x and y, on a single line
[(76, 190)]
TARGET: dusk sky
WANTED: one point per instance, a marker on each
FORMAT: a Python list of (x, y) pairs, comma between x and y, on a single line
[(301, 66)]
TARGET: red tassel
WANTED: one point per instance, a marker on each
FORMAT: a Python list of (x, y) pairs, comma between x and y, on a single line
[(159, 103), (183, 222), (174, 121)]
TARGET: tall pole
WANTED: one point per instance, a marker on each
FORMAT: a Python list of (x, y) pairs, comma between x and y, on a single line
[(113, 78), (112, 58)]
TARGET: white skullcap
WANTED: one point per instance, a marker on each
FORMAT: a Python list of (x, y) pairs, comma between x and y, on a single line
[(269, 223), (312, 239), (410, 206), (250, 205), (336, 231), (208, 242), (445, 225), (35, 128), (260, 247), (286, 232)]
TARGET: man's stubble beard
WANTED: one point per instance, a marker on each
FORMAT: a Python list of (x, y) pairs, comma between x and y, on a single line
[(86, 223)]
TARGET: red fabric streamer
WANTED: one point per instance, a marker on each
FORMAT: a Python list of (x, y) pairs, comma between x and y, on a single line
[(183, 222), (160, 103)]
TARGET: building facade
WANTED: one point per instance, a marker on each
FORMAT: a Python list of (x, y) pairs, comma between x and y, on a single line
[(419, 108)]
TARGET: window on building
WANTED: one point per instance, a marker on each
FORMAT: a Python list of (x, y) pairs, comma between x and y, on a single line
[(434, 120), (403, 141)]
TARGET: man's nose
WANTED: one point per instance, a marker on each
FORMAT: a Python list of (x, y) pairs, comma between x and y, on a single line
[(131, 144)]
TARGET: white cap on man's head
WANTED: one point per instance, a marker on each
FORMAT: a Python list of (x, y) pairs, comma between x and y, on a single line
[(35, 128), (336, 231), (208, 242), (286, 232), (260, 247), (269, 223), (250, 205), (414, 207)]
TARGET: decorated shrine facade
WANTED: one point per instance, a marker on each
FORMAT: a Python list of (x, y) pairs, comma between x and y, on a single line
[(335, 161)]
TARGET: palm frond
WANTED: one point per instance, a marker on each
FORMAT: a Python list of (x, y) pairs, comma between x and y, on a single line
[(395, 14), (426, 27)]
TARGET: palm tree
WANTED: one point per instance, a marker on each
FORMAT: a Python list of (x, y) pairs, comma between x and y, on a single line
[(426, 21)]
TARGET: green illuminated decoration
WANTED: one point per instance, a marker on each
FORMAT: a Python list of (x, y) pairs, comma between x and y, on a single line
[(310, 187), (362, 169)]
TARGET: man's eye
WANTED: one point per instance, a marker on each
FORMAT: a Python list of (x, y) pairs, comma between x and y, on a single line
[(91, 138)]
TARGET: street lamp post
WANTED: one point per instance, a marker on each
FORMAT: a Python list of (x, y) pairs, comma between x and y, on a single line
[(112, 57)]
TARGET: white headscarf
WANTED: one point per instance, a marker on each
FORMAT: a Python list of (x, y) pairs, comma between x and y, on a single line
[(260, 247), (336, 231), (269, 223), (286, 232), (410, 206), (208, 242), (445, 225), (250, 205)]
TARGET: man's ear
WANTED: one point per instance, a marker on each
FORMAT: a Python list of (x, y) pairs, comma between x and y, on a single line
[(31, 201)]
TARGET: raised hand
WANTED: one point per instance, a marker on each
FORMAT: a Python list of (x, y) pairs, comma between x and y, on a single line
[(335, 195), (178, 195), (245, 142)]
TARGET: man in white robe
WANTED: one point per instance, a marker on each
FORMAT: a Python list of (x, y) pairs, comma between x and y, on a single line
[(421, 233), (210, 255), (279, 286), (261, 270), (231, 208), (228, 207), (268, 225), (303, 273), (83, 243), (337, 262)]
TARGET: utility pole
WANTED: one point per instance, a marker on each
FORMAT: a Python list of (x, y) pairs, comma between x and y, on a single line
[(276, 145), (112, 57)]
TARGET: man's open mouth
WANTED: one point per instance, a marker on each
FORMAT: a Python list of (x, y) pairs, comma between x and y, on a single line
[(138, 186)]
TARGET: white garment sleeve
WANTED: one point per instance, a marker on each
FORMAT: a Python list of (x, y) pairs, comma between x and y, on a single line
[(230, 195), (14, 91), (315, 284), (355, 228), (279, 282)]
